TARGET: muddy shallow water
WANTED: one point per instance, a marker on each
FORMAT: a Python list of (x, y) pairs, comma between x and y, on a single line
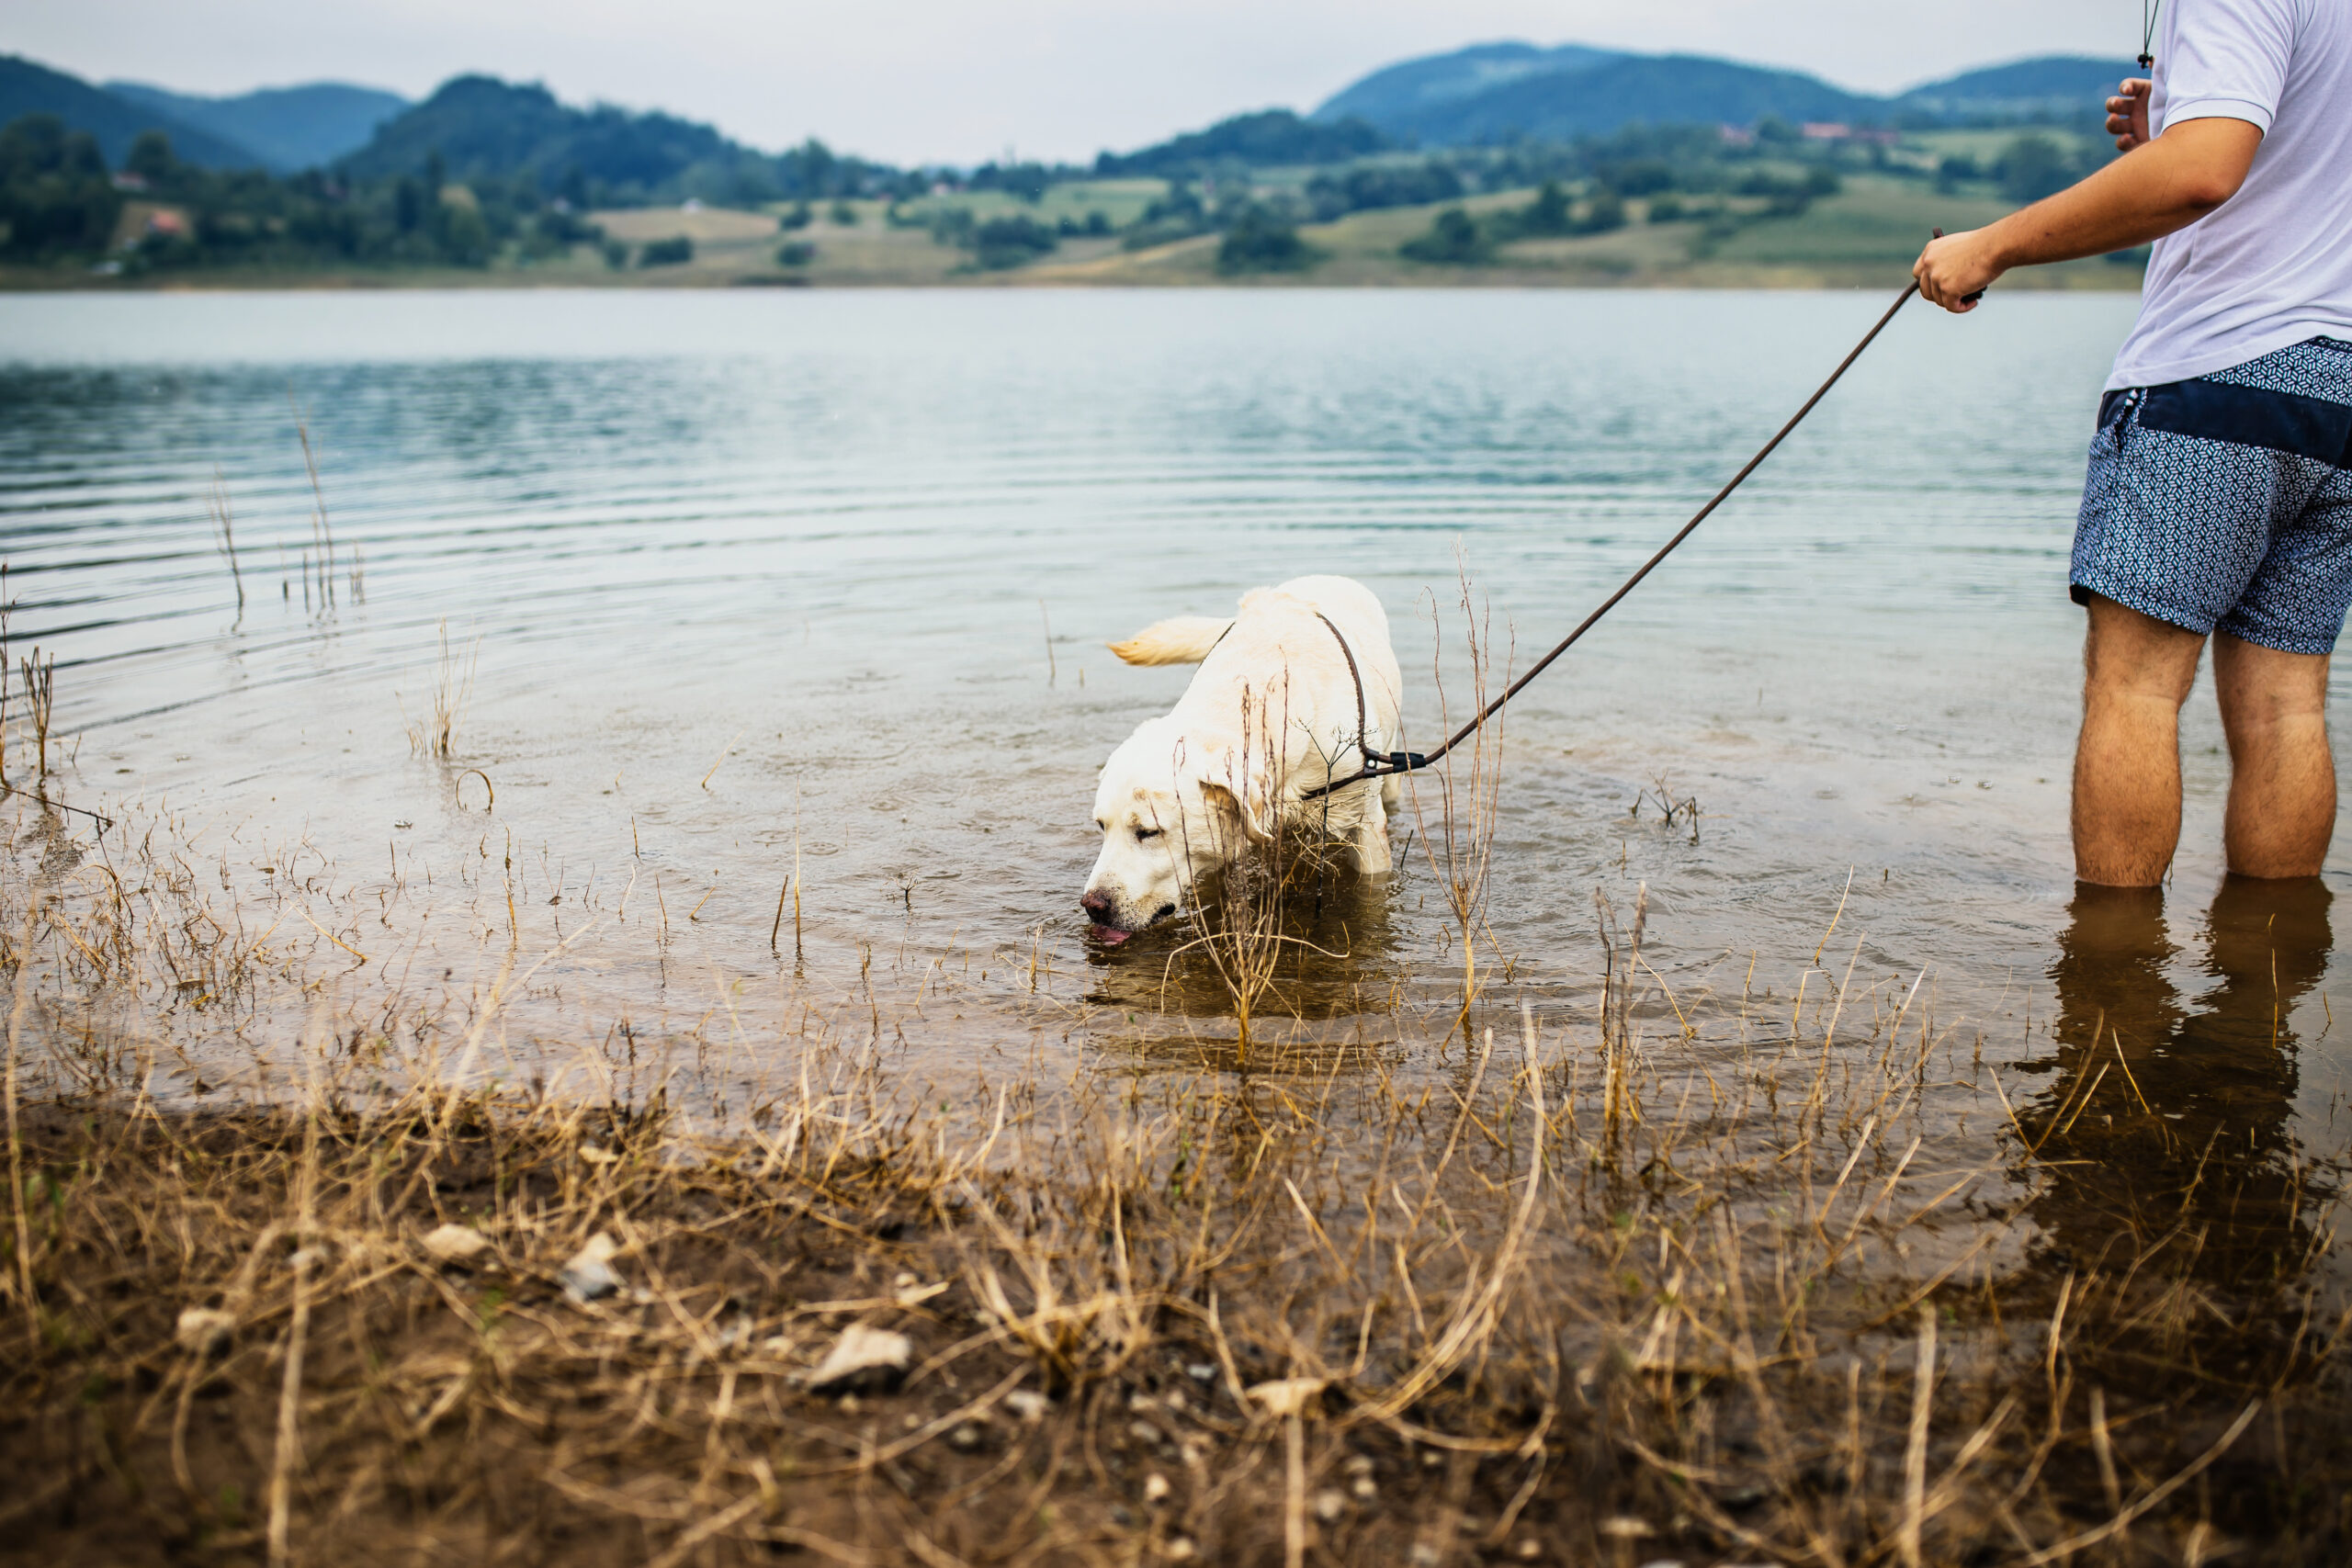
[(747, 581)]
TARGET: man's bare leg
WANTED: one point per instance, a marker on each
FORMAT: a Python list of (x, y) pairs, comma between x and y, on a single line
[(2282, 775), (2136, 673)]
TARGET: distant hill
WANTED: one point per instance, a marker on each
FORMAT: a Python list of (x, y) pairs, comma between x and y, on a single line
[(1396, 94), (2057, 86), (291, 128), (481, 127), (1506, 91), (1271, 136), (1561, 105), (28, 88)]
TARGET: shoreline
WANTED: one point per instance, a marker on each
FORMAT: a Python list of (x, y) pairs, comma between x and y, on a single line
[(1696, 280)]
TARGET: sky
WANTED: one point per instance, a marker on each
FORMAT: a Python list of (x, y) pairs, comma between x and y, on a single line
[(953, 80)]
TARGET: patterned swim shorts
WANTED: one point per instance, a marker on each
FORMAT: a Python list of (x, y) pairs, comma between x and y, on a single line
[(2225, 502)]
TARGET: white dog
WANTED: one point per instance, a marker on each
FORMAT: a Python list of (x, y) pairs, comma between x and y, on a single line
[(1291, 693)]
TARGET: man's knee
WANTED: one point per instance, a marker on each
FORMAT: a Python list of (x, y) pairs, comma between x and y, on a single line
[(2263, 690), (2131, 656)]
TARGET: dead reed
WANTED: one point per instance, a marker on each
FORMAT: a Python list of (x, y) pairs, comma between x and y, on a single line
[(433, 734), (224, 531), (1464, 791)]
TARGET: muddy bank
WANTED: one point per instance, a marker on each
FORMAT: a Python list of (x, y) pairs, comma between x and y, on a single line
[(1172, 1325)]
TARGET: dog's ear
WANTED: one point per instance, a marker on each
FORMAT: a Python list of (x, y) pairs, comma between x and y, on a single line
[(1247, 810)]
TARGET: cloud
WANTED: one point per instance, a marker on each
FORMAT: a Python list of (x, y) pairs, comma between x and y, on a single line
[(943, 81)]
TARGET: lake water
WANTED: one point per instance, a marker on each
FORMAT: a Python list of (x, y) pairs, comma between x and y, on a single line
[(763, 577)]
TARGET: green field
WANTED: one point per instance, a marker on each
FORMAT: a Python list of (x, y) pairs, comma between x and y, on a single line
[(1868, 234)]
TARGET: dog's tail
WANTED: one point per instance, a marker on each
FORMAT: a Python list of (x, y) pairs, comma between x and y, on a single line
[(1186, 640)]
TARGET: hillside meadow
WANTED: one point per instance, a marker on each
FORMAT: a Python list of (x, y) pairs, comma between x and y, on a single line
[(1866, 235)]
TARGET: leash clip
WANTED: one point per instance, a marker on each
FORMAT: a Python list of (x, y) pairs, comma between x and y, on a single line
[(1378, 765)]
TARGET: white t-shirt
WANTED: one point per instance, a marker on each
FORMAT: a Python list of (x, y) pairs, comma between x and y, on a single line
[(2273, 264)]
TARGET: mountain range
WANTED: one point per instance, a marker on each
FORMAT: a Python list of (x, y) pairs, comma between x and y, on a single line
[(1486, 93), (1501, 92), (280, 128), (284, 129)]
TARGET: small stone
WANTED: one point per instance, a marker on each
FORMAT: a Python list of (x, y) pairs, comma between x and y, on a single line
[(1358, 1464), (965, 1439), (588, 1276), (1173, 1399), (1139, 1403), (1624, 1527), (1180, 1549), (1431, 1459), (1287, 1396), (595, 1156), (1364, 1487), (903, 1281), (1154, 1488), (1329, 1506), (204, 1329), (1202, 1372), (456, 1243), (1144, 1432), (862, 1361), (1527, 1549), (1424, 1555), (1028, 1404)]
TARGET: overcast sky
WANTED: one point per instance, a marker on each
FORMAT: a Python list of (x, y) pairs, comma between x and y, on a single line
[(957, 81)]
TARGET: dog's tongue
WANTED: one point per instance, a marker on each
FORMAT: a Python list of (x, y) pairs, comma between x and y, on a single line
[(1110, 936)]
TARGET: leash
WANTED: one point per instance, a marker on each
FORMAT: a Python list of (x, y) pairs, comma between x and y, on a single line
[(1382, 764)]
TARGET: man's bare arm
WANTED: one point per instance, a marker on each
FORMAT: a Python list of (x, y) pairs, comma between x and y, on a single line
[(2155, 189)]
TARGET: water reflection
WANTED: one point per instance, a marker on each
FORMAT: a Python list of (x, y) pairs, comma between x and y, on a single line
[(2167, 1131)]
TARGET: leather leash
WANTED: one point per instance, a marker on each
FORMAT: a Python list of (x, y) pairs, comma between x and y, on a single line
[(1383, 765)]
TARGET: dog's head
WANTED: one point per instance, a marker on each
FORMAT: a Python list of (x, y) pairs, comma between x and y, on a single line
[(1172, 810)]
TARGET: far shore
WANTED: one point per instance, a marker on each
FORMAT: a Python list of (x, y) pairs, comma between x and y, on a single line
[(1865, 236), (2080, 278)]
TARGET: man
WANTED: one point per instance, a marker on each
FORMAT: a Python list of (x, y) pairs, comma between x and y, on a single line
[(2219, 500)]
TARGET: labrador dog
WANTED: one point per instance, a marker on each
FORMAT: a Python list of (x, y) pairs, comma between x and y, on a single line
[(1291, 693)]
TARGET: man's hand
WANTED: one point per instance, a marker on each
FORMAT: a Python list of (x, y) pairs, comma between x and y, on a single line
[(2127, 114), (1956, 266)]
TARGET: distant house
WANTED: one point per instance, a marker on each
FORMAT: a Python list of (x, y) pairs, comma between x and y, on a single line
[(1738, 136), (146, 219), (1837, 131), (124, 179)]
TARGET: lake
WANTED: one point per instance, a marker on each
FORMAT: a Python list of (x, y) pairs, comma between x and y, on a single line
[(754, 580)]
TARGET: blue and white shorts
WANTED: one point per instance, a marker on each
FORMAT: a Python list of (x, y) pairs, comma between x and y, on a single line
[(2225, 502)]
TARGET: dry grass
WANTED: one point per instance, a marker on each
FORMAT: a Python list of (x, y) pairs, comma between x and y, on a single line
[(434, 734), (1717, 1273)]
